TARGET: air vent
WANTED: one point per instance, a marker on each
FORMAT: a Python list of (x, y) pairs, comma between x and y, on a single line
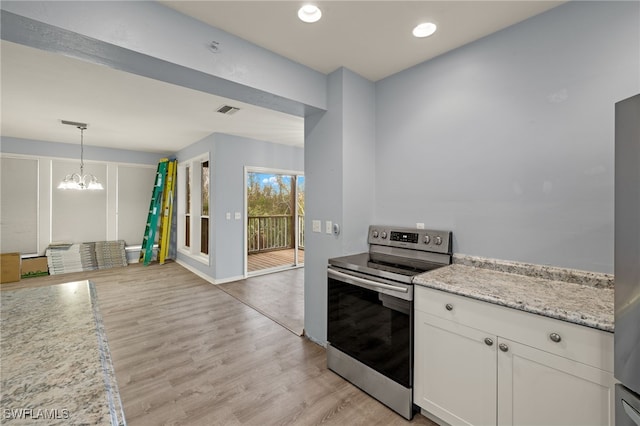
[(227, 109)]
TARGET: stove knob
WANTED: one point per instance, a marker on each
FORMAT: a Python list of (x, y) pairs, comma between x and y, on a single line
[(427, 239), (375, 234), (438, 240), (384, 235)]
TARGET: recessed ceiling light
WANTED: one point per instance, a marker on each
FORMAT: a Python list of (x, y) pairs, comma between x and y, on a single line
[(309, 13), (424, 30)]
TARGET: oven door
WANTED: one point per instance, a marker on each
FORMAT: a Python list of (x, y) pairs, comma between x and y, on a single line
[(371, 320)]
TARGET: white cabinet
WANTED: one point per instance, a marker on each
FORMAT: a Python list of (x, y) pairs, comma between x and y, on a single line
[(478, 363), (454, 370)]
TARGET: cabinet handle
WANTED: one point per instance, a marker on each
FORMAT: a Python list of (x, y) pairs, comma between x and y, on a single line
[(555, 337), (488, 341), (449, 307), (503, 347)]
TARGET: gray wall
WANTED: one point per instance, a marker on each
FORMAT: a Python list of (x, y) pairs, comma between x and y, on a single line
[(68, 150), (228, 155), (509, 141), (232, 153), (339, 173)]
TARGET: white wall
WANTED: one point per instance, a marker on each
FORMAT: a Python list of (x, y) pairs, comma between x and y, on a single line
[(77, 216), (508, 141)]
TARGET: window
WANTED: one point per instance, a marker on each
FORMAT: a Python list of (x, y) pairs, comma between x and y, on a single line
[(187, 215), (204, 217), (193, 208)]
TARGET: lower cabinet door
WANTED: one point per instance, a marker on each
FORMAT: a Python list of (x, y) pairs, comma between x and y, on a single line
[(539, 388), (455, 371)]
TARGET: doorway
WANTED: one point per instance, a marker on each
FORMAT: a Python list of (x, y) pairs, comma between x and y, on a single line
[(275, 220)]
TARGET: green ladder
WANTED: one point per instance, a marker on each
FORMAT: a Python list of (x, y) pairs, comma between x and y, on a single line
[(149, 239)]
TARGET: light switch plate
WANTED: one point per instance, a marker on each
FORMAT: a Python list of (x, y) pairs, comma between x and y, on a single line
[(328, 227), (317, 226), (238, 216), (228, 215)]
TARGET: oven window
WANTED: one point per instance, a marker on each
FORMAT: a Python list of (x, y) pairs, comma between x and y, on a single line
[(373, 328)]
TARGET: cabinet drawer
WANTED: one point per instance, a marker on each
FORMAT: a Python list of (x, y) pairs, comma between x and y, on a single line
[(576, 342)]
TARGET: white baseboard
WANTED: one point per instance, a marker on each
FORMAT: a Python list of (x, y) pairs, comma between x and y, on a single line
[(228, 280), (207, 277)]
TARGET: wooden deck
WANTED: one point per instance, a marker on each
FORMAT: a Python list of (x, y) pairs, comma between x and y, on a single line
[(273, 259)]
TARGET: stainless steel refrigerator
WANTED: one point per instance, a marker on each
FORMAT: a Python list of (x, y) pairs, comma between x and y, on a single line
[(627, 261)]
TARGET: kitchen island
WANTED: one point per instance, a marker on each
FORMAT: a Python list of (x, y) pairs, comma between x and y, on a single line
[(56, 363)]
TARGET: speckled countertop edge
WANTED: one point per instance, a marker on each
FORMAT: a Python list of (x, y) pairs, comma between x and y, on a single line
[(553, 273), (529, 288), (56, 363), (116, 410)]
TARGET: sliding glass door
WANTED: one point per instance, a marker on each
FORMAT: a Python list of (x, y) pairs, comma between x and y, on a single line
[(275, 220)]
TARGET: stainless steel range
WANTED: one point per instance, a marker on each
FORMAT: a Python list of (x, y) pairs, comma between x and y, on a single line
[(370, 311)]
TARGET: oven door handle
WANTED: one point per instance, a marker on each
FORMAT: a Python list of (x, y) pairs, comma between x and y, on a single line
[(342, 275)]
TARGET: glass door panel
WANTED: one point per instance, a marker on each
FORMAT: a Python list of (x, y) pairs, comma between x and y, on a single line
[(272, 223)]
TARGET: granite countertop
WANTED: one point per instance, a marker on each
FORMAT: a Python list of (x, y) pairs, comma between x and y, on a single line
[(579, 297), (56, 363)]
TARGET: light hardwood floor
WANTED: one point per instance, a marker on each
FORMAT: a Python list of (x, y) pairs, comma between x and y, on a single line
[(279, 296), (187, 353)]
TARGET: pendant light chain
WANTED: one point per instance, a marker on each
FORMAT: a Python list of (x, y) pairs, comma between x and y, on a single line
[(80, 181), (81, 150)]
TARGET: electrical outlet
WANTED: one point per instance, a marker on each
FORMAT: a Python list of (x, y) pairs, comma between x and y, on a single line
[(238, 216), (420, 225), (328, 227), (317, 226), (228, 215)]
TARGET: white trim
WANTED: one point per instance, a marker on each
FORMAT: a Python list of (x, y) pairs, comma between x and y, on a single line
[(269, 170), (195, 271), (273, 270), (50, 201), (198, 257), (257, 169), (195, 215), (207, 277), (322, 343), (201, 214), (38, 216), (49, 157), (245, 261), (116, 203), (228, 280)]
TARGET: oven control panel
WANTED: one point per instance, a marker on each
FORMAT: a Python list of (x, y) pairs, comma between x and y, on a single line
[(412, 238)]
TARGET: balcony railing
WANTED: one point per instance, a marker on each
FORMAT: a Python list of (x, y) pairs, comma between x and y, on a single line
[(273, 232)]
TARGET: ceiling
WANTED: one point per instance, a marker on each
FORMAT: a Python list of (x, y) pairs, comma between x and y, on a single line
[(371, 38), (122, 110), (126, 111)]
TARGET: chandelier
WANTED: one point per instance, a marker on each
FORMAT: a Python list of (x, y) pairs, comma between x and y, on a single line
[(75, 180)]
